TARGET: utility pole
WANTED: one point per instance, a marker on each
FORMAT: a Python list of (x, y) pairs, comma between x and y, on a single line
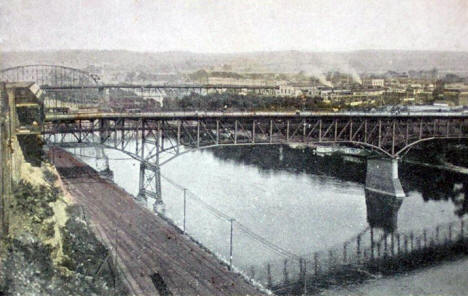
[(230, 245), (185, 206)]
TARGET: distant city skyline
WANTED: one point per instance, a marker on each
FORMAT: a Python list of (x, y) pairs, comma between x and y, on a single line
[(234, 26)]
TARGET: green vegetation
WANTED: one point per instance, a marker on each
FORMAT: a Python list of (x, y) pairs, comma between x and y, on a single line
[(218, 102)]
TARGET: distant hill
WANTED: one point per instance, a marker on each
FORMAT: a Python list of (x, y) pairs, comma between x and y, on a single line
[(280, 61)]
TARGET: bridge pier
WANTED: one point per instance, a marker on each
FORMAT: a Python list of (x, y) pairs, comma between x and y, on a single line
[(382, 177), (141, 184), (104, 97), (102, 163), (384, 194), (150, 186)]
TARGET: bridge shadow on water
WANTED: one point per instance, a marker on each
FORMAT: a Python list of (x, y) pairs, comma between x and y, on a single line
[(379, 250)]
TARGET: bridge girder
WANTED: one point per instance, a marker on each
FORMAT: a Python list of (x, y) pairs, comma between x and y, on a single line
[(155, 137)]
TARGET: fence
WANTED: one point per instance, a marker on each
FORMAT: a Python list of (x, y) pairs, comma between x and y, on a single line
[(372, 250), (364, 255)]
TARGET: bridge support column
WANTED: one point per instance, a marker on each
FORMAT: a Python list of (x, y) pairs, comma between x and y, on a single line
[(382, 177), (141, 184), (384, 194), (104, 98), (102, 163), (150, 186), (158, 204)]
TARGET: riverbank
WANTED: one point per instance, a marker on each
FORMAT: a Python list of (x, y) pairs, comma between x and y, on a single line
[(154, 255)]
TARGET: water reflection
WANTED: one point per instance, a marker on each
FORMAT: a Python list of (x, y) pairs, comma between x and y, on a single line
[(293, 198), (433, 184), (437, 185), (382, 211)]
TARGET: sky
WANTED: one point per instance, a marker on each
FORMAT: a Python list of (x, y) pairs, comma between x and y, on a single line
[(229, 26)]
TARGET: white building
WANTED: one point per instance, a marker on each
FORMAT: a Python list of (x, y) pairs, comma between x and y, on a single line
[(288, 91), (378, 82)]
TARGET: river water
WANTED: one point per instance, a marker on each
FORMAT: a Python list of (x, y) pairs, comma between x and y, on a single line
[(295, 201)]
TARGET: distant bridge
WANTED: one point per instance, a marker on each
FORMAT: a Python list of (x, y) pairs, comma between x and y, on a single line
[(160, 86), (74, 87), (49, 75)]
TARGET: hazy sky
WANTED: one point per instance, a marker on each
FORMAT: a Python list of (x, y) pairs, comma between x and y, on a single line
[(234, 25)]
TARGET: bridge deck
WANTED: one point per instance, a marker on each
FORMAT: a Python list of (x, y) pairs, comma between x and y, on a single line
[(145, 243), (252, 115)]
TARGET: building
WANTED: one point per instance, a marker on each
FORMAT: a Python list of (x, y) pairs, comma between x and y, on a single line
[(377, 83), (27, 104), (457, 93), (288, 91)]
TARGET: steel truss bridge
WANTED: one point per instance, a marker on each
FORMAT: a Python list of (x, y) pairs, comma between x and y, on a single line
[(70, 85), (156, 138)]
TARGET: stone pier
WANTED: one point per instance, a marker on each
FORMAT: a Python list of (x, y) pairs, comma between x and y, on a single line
[(382, 177)]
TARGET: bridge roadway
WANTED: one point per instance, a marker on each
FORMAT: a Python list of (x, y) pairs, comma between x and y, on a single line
[(156, 138), (298, 114), (146, 243), (389, 133)]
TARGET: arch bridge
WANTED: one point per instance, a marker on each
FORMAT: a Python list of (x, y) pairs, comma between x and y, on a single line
[(49, 75), (156, 138)]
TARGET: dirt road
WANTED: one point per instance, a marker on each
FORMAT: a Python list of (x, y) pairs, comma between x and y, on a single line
[(151, 251)]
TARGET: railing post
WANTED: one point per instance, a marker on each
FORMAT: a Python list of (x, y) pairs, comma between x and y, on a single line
[(316, 264), (385, 246), (398, 243), (185, 206), (269, 280), (358, 248), (406, 245), (425, 238), (285, 272), (345, 245), (412, 241), (462, 225), (230, 245), (450, 233), (392, 244), (305, 276), (301, 269)]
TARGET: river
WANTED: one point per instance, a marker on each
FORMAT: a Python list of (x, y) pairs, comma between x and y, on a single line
[(296, 201)]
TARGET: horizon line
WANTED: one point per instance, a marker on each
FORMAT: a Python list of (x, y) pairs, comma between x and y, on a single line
[(236, 53)]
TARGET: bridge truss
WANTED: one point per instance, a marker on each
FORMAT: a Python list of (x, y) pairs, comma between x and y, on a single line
[(155, 139), (49, 75)]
